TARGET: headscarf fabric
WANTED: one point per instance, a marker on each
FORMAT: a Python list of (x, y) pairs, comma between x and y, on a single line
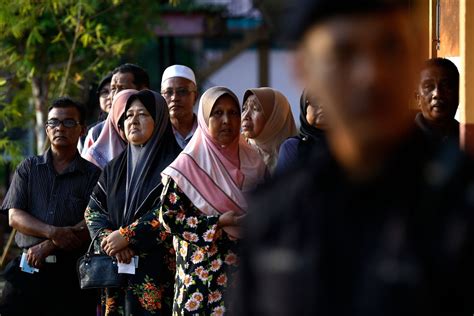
[(279, 125), (109, 144), (312, 138), (140, 166), (215, 178), (307, 131)]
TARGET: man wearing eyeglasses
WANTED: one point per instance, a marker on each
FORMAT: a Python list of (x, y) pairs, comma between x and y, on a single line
[(46, 203), (178, 87)]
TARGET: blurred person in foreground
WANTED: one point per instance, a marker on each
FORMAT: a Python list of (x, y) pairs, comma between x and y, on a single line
[(382, 225), (438, 98)]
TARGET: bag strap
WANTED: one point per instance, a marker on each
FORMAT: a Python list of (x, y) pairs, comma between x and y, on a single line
[(93, 240)]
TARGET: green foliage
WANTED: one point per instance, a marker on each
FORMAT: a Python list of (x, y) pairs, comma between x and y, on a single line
[(12, 114), (63, 44)]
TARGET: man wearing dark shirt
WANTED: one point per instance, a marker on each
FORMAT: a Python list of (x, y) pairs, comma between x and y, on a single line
[(384, 224), (46, 203), (438, 98)]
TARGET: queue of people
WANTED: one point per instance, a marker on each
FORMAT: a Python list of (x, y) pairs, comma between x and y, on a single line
[(366, 210)]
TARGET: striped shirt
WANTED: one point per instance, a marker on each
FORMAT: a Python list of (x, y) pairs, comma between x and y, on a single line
[(55, 199)]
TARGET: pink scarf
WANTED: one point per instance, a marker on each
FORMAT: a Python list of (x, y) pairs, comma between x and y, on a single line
[(109, 144), (216, 179)]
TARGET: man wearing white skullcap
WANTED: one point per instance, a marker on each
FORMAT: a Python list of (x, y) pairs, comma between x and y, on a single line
[(178, 87)]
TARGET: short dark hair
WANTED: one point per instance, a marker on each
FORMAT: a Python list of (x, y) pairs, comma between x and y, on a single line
[(140, 76), (446, 64), (107, 79), (67, 102)]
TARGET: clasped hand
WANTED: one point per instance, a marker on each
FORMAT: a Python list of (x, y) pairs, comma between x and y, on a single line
[(115, 245)]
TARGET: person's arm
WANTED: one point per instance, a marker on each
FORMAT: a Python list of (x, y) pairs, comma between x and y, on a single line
[(62, 237), (190, 225), (179, 217), (38, 253), (97, 214), (81, 231)]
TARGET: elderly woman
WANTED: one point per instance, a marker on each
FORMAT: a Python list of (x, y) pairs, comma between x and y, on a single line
[(267, 122), (202, 204), (128, 188), (310, 142), (111, 140)]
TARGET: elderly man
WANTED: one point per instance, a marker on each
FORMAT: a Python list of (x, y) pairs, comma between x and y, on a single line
[(383, 225), (46, 203), (128, 76), (178, 87), (438, 98)]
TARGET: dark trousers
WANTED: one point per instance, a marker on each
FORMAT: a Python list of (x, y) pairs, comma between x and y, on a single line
[(54, 290)]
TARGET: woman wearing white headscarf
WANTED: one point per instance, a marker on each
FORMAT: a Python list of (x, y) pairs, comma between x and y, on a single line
[(267, 122)]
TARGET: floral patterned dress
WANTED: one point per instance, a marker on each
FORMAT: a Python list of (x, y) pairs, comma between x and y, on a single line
[(206, 258), (150, 290)]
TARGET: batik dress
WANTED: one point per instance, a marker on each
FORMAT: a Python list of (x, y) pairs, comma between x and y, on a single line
[(150, 290), (206, 259)]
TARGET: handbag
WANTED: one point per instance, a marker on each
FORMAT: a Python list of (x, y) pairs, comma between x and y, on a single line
[(98, 270)]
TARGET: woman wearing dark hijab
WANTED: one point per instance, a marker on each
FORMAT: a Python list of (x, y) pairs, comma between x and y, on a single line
[(128, 187), (311, 137)]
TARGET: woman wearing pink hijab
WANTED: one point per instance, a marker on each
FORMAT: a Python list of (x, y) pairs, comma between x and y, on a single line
[(202, 202), (111, 141)]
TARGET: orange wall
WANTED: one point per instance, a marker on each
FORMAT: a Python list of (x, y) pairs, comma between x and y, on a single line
[(449, 28)]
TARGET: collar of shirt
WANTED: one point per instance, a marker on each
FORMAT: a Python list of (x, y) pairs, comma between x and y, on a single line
[(76, 165), (183, 141)]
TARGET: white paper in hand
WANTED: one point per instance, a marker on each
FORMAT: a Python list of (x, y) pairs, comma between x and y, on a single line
[(128, 268)]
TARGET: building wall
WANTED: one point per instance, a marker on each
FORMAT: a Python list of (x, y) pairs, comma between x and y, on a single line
[(241, 74)]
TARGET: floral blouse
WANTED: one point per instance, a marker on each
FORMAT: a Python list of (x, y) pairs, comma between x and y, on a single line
[(206, 258), (150, 290)]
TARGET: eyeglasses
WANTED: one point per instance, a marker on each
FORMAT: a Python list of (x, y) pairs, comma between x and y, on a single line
[(66, 123), (180, 92)]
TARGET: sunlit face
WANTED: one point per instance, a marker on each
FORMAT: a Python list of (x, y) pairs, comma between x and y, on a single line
[(121, 81), (139, 124), (224, 121), (253, 117), (104, 98), (438, 94), (61, 136), (361, 67), (180, 95), (315, 114)]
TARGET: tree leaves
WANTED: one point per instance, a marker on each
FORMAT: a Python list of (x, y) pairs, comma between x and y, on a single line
[(37, 39)]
